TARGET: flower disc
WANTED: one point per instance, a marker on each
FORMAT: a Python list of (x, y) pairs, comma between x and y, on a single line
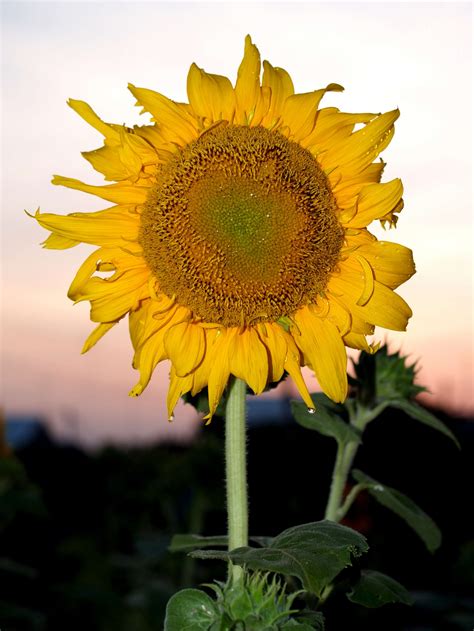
[(241, 226)]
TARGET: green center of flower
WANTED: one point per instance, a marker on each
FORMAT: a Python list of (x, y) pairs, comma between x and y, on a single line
[(249, 224), (241, 226)]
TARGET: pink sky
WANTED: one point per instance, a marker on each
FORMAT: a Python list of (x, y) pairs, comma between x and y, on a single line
[(414, 56)]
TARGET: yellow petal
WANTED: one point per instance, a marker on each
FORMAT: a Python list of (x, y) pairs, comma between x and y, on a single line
[(392, 263), (117, 193), (375, 201), (211, 96), (134, 146), (151, 351), (165, 149), (354, 238), (111, 298), (273, 337), (96, 335), (283, 354), (292, 366), (85, 271), (263, 105), (299, 111), (340, 317), (362, 147), (281, 86), (359, 342), (331, 128), (247, 87), (322, 346), (220, 371), (85, 111), (248, 358), (346, 189), (106, 160), (368, 274), (185, 345), (58, 242), (357, 322), (150, 316), (178, 386), (173, 119), (199, 377), (115, 226), (138, 322), (385, 308), (123, 160), (146, 361)]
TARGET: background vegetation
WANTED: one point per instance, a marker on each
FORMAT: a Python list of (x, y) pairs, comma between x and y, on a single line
[(84, 536)]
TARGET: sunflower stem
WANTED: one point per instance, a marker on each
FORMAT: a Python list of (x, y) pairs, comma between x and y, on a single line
[(236, 470), (359, 418), (338, 483)]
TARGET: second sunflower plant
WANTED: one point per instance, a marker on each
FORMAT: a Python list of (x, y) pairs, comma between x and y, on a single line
[(237, 245)]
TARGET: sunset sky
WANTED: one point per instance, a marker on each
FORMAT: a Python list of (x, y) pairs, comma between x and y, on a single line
[(415, 56)]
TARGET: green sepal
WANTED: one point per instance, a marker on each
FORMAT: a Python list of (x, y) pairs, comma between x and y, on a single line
[(254, 602), (383, 377), (419, 413), (325, 419), (404, 507), (374, 589), (190, 610), (285, 323), (315, 553)]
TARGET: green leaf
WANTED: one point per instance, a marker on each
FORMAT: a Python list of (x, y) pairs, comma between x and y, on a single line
[(375, 589), (187, 542), (325, 419), (261, 541), (405, 508), (184, 543), (420, 414), (12, 567), (190, 610), (306, 621), (300, 626), (316, 553)]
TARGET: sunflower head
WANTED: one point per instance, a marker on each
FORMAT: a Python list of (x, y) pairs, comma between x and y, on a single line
[(241, 226), (254, 601), (385, 376), (238, 237)]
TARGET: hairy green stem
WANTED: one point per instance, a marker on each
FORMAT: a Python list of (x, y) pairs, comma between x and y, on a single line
[(344, 459), (351, 496), (359, 418), (236, 470)]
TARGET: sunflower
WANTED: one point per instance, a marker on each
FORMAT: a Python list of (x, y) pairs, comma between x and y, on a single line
[(237, 243)]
